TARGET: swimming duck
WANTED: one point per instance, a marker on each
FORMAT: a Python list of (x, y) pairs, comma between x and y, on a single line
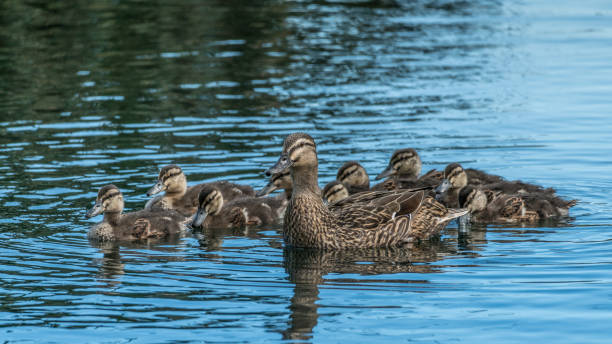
[(334, 191), (493, 206), (404, 168), (212, 212), (356, 179), (535, 198), (281, 180), (130, 226), (366, 219), (179, 197)]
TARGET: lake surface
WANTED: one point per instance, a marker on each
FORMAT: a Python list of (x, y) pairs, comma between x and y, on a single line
[(98, 92)]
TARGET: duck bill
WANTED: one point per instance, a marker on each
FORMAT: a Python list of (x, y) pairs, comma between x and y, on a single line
[(96, 210), (157, 188), (198, 218), (268, 189), (282, 164), (389, 171), (442, 188)]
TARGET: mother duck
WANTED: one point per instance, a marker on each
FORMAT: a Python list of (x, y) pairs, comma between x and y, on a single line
[(366, 219)]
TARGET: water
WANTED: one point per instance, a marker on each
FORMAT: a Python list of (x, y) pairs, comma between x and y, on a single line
[(97, 92)]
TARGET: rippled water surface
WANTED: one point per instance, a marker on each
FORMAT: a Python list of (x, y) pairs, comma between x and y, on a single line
[(97, 92)]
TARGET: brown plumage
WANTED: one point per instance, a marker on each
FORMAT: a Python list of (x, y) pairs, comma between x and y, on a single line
[(212, 212), (334, 191), (354, 177), (130, 226), (502, 195), (367, 219), (403, 171), (179, 197), (495, 206)]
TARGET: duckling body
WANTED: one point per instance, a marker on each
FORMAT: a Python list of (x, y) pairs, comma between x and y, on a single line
[(130, 226), (213, 212), (488, 206), (366, 219), (184, 199), (529, 201)]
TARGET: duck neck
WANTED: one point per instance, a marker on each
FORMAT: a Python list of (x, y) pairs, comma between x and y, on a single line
[(288, 193), (305, 180), (112, 217)]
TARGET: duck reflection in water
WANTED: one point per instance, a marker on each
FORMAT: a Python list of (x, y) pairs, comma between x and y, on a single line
[(111, 266), (306, 269)]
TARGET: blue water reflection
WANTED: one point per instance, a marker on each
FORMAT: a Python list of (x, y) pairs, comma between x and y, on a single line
[(98, 92)]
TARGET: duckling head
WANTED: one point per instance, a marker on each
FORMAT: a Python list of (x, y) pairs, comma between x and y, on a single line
[(299, 151), (278, 181), (171, 179), (353, 174), (404, 162), (109, 200), (456, 176), (472, 198), (210, 202), (334, 191)]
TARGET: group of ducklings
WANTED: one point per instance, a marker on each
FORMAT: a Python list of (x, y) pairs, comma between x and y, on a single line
[(348, 212)]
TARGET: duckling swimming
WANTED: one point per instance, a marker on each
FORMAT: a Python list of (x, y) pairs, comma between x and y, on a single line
[(334, 191), (178, 197), (403, 171), (544, 202), (212, 212), (130, 226), (355, 178), (495, 207), (366, 219)]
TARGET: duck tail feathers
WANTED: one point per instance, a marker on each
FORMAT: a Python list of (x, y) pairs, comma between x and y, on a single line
[(453, 214)]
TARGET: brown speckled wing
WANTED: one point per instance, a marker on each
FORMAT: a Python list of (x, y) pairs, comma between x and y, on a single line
[(369, 210)]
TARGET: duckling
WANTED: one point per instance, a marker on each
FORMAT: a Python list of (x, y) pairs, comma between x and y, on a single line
[(535, 198), (500, 208), (366, 219), (179, 197), (281, 180), (212, 212), (455, 179), (334, 191), (130, 226), (354, 177), (404, 168)]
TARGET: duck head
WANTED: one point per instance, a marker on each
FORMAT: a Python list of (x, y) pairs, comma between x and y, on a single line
[(404, 162), (454, 177), (109, 200), (171, 179), (210, 202), (334, 191), (472, 198), (299, 150), (353, 175)]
